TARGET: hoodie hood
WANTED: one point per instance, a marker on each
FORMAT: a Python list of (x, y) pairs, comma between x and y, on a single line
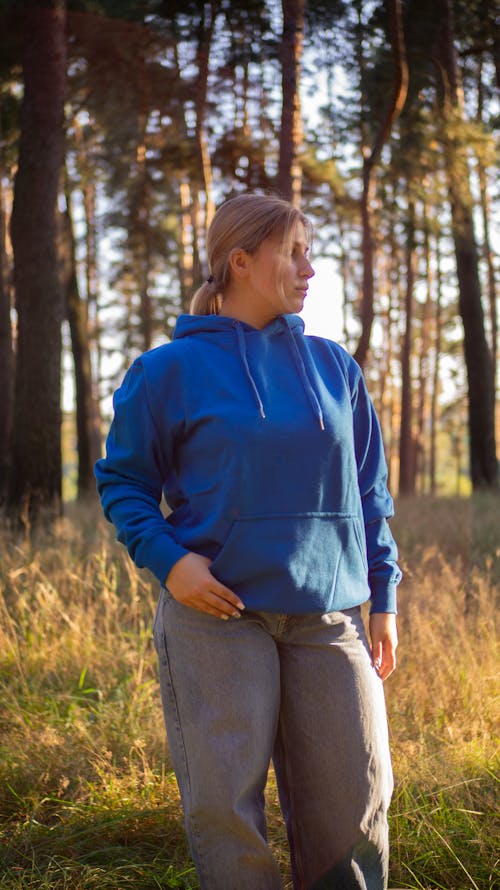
[(189, 325), (290, 325)]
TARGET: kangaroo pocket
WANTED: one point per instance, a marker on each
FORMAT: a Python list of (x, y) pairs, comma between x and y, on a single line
[(295, 563)]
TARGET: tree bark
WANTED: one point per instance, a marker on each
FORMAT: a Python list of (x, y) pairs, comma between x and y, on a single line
[(190, 230), (406, 443), (35, 483), (436, 371), (205, 32), (6, 356), (86, 162), (87, 414), (478, 359), (487, 249), (140, 237), (423, 401), (370, 160), (289, 181)]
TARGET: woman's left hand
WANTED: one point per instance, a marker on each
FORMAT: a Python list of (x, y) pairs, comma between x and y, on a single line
[(384, 641)]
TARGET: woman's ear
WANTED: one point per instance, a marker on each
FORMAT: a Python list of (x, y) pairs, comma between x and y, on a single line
[(239, 261)]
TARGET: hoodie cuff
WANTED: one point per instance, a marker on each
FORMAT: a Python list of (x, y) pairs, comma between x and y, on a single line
[(159, 554), (384, 597)]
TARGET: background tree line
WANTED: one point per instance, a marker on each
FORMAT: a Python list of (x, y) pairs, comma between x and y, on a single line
[(123, 125)]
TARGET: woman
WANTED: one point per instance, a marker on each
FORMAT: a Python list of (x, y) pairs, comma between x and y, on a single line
[(268, 451)]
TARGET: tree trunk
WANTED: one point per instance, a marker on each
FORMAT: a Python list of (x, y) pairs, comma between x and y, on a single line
[(87, 414), (422, 449), (406, 444), (488, 257), (487, 249), (189, 231), (35, 483), (205, 33), (87, 161), (478, 360), (6, 356), (185, 246), (141, 238), (390, 269), (92, 284), (436, 371), (391, 438), (289, 181), (370, 160)]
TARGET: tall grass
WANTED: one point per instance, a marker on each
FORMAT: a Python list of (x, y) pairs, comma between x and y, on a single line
[(87, 796)]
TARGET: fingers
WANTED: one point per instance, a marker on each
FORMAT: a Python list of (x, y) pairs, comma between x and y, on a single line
[(388, 662), (191, 583), (384, 641), (221, 607), (214, 599), (225, 594), (377, 656)]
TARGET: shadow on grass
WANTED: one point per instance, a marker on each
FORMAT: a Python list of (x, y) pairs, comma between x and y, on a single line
[(89, 849)]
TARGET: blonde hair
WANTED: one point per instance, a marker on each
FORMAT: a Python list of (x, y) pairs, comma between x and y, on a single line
[(243, 222)]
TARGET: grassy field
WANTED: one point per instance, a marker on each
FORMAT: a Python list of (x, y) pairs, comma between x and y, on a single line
[(87, 797)]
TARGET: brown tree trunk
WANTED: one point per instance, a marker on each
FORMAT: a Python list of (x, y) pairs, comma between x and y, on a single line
[(487, 250), (185, 246), (141, 239), (198, 227), (488, 256), (345, 277), (205, 33), (390, 337), (86, 155), (422, 449), (289, 181), (478, 360), (370, 161), (87, 414), (435, 372), (6, 355), (92, 283), (391, 406), (406, 443), (190, 229), (35, 483)]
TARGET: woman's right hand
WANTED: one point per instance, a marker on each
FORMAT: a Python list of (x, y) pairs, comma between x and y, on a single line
[(191, 583)]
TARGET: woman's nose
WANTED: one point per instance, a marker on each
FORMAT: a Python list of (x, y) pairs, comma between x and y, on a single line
[(309, 271)]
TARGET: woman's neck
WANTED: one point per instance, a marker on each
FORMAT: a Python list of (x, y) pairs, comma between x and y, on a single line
[(238, 305)]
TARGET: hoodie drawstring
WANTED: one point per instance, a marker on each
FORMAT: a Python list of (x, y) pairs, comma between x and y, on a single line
[(301, 368), (243, 354), (299, 364)]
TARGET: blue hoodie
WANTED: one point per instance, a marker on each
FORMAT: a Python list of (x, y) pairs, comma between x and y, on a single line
[(268, 451)]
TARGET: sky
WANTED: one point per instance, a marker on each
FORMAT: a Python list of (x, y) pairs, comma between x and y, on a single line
[(322, 312)]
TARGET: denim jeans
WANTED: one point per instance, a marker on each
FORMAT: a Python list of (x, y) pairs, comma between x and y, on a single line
[(299, 689)]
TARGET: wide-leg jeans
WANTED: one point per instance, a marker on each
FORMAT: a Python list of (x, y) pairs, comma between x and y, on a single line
[(299, 689)]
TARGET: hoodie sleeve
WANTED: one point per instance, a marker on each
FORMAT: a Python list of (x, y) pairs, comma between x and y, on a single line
[(130, 478), (383, 572)]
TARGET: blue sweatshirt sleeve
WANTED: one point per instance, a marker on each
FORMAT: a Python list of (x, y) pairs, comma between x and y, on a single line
[(130, 478), (384, 573)]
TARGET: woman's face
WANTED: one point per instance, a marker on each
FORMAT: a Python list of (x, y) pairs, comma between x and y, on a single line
[(278, 276)]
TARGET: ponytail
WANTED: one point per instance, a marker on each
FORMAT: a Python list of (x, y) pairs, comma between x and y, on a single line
[(206, 301)]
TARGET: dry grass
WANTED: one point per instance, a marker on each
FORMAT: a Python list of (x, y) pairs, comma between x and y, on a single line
[(87, 798)]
